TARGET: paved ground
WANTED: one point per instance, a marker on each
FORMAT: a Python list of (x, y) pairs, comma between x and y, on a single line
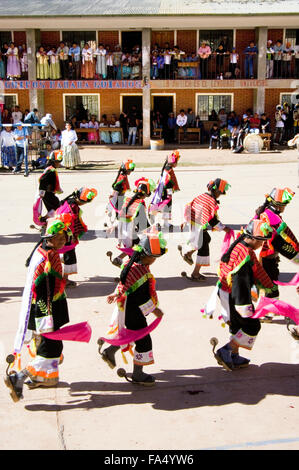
[(195, 404)]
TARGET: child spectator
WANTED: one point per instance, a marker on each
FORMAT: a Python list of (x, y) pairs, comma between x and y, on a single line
[(214, 136), (234, 137), (8, 148), (225, 136), (42, 161), (233, 62), (255, 121)]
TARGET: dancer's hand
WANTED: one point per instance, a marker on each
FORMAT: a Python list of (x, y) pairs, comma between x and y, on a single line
[(158, 313), (111, 298)]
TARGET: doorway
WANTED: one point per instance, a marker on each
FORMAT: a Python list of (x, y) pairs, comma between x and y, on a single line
[(129, 39), (131, 100)]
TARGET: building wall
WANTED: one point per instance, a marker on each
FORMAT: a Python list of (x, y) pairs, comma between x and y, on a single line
[(160, 37), (50, 38), (275, 34), (109, 38), (19, 38), (186, 40)]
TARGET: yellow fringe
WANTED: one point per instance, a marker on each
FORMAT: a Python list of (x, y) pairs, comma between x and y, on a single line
[(131, 350), (124, 357)]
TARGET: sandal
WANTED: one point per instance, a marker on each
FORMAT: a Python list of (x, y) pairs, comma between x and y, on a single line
[(200, 278), (148, 381), (185, 257), (10, 382)]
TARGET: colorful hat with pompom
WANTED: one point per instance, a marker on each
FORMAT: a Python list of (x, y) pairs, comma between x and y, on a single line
[(129, 165), (57, 225), (174, 157), (280, 197), (56, 156), (152, 243), (86, 194), (219, 184), (145, 186), (258, 229)]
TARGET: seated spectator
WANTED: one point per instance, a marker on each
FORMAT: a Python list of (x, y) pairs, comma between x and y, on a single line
[(6, 116), (225, 136), (214, 136), (190, 118), (17, 115), (254, 122), (115, 136), (234, 137), (213, 116), (55, 139), (232, 120), (244, 130), (42, 161), (105, 135), (222, 117), (181, 122), (265, 124)]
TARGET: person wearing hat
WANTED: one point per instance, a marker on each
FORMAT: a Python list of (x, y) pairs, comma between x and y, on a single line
[(244, 130), (201, 213), (21, 138), (136, 298), (119, 188), (133, 218), (72, 205), (239, 271), (49, 184), (44, 309), (167, 185), (283, 241)]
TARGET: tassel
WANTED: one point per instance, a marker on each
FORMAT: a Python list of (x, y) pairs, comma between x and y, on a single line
[(131, 350), (31, 353), (19, 367), (124, 357)]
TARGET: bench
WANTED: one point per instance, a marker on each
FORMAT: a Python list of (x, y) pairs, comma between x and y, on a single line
[(189, 130)]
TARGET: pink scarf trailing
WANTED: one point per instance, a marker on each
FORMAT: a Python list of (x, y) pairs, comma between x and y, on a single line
[(78, 332), (278, 307), (126, 336), (227, 241)]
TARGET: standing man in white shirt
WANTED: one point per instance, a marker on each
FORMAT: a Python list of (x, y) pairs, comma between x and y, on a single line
[(17, 115), (181, 123)]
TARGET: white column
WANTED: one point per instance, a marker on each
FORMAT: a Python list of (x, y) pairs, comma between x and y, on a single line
[(36, 97), (146, 98)]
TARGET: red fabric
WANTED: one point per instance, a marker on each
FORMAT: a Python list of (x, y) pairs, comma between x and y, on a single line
[(131, 212), (202, 209)]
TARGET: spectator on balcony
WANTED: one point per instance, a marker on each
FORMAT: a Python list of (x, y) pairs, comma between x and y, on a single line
[(167, 63), (269, 59), (221, 52), (287, 55), (87, 67), (54, 70), (277, 59), (250, 54), (42, 64), (296, 53), (233, 62), (75, 61), (126, 68), (214, 136), (109, 65), (101, 66), (63, 54), (117, 55), (154, 66), (4, 50), (265, 124), (2, 67), (178, 55), (161, 62), (204, 53), (24, 61), (13, 62)]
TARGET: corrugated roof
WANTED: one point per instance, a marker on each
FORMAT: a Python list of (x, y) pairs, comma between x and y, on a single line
[(27, 8)]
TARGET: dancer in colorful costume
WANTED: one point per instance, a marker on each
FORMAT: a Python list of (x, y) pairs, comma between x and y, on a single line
[(167, 185), (199, 214), (49, 186), (119, 188), (239, 270), (44, 309), (72, 205), (132, 218), (136, 297)]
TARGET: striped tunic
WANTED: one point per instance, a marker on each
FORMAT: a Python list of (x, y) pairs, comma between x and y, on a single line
[(121, 185), (131, 213), (202, 210), (240, 255)]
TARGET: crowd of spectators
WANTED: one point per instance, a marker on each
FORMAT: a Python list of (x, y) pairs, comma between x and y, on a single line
[(98, 61), (227, 129)]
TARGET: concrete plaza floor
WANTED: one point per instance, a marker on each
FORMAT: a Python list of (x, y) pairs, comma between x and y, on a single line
[(195, 404)]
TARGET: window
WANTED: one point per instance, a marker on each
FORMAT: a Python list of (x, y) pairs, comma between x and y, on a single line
[(5, 37), (215, 37), (79, 37), (10, 101), (290, 98), (207, 103), (83, 106), (292, 36)]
